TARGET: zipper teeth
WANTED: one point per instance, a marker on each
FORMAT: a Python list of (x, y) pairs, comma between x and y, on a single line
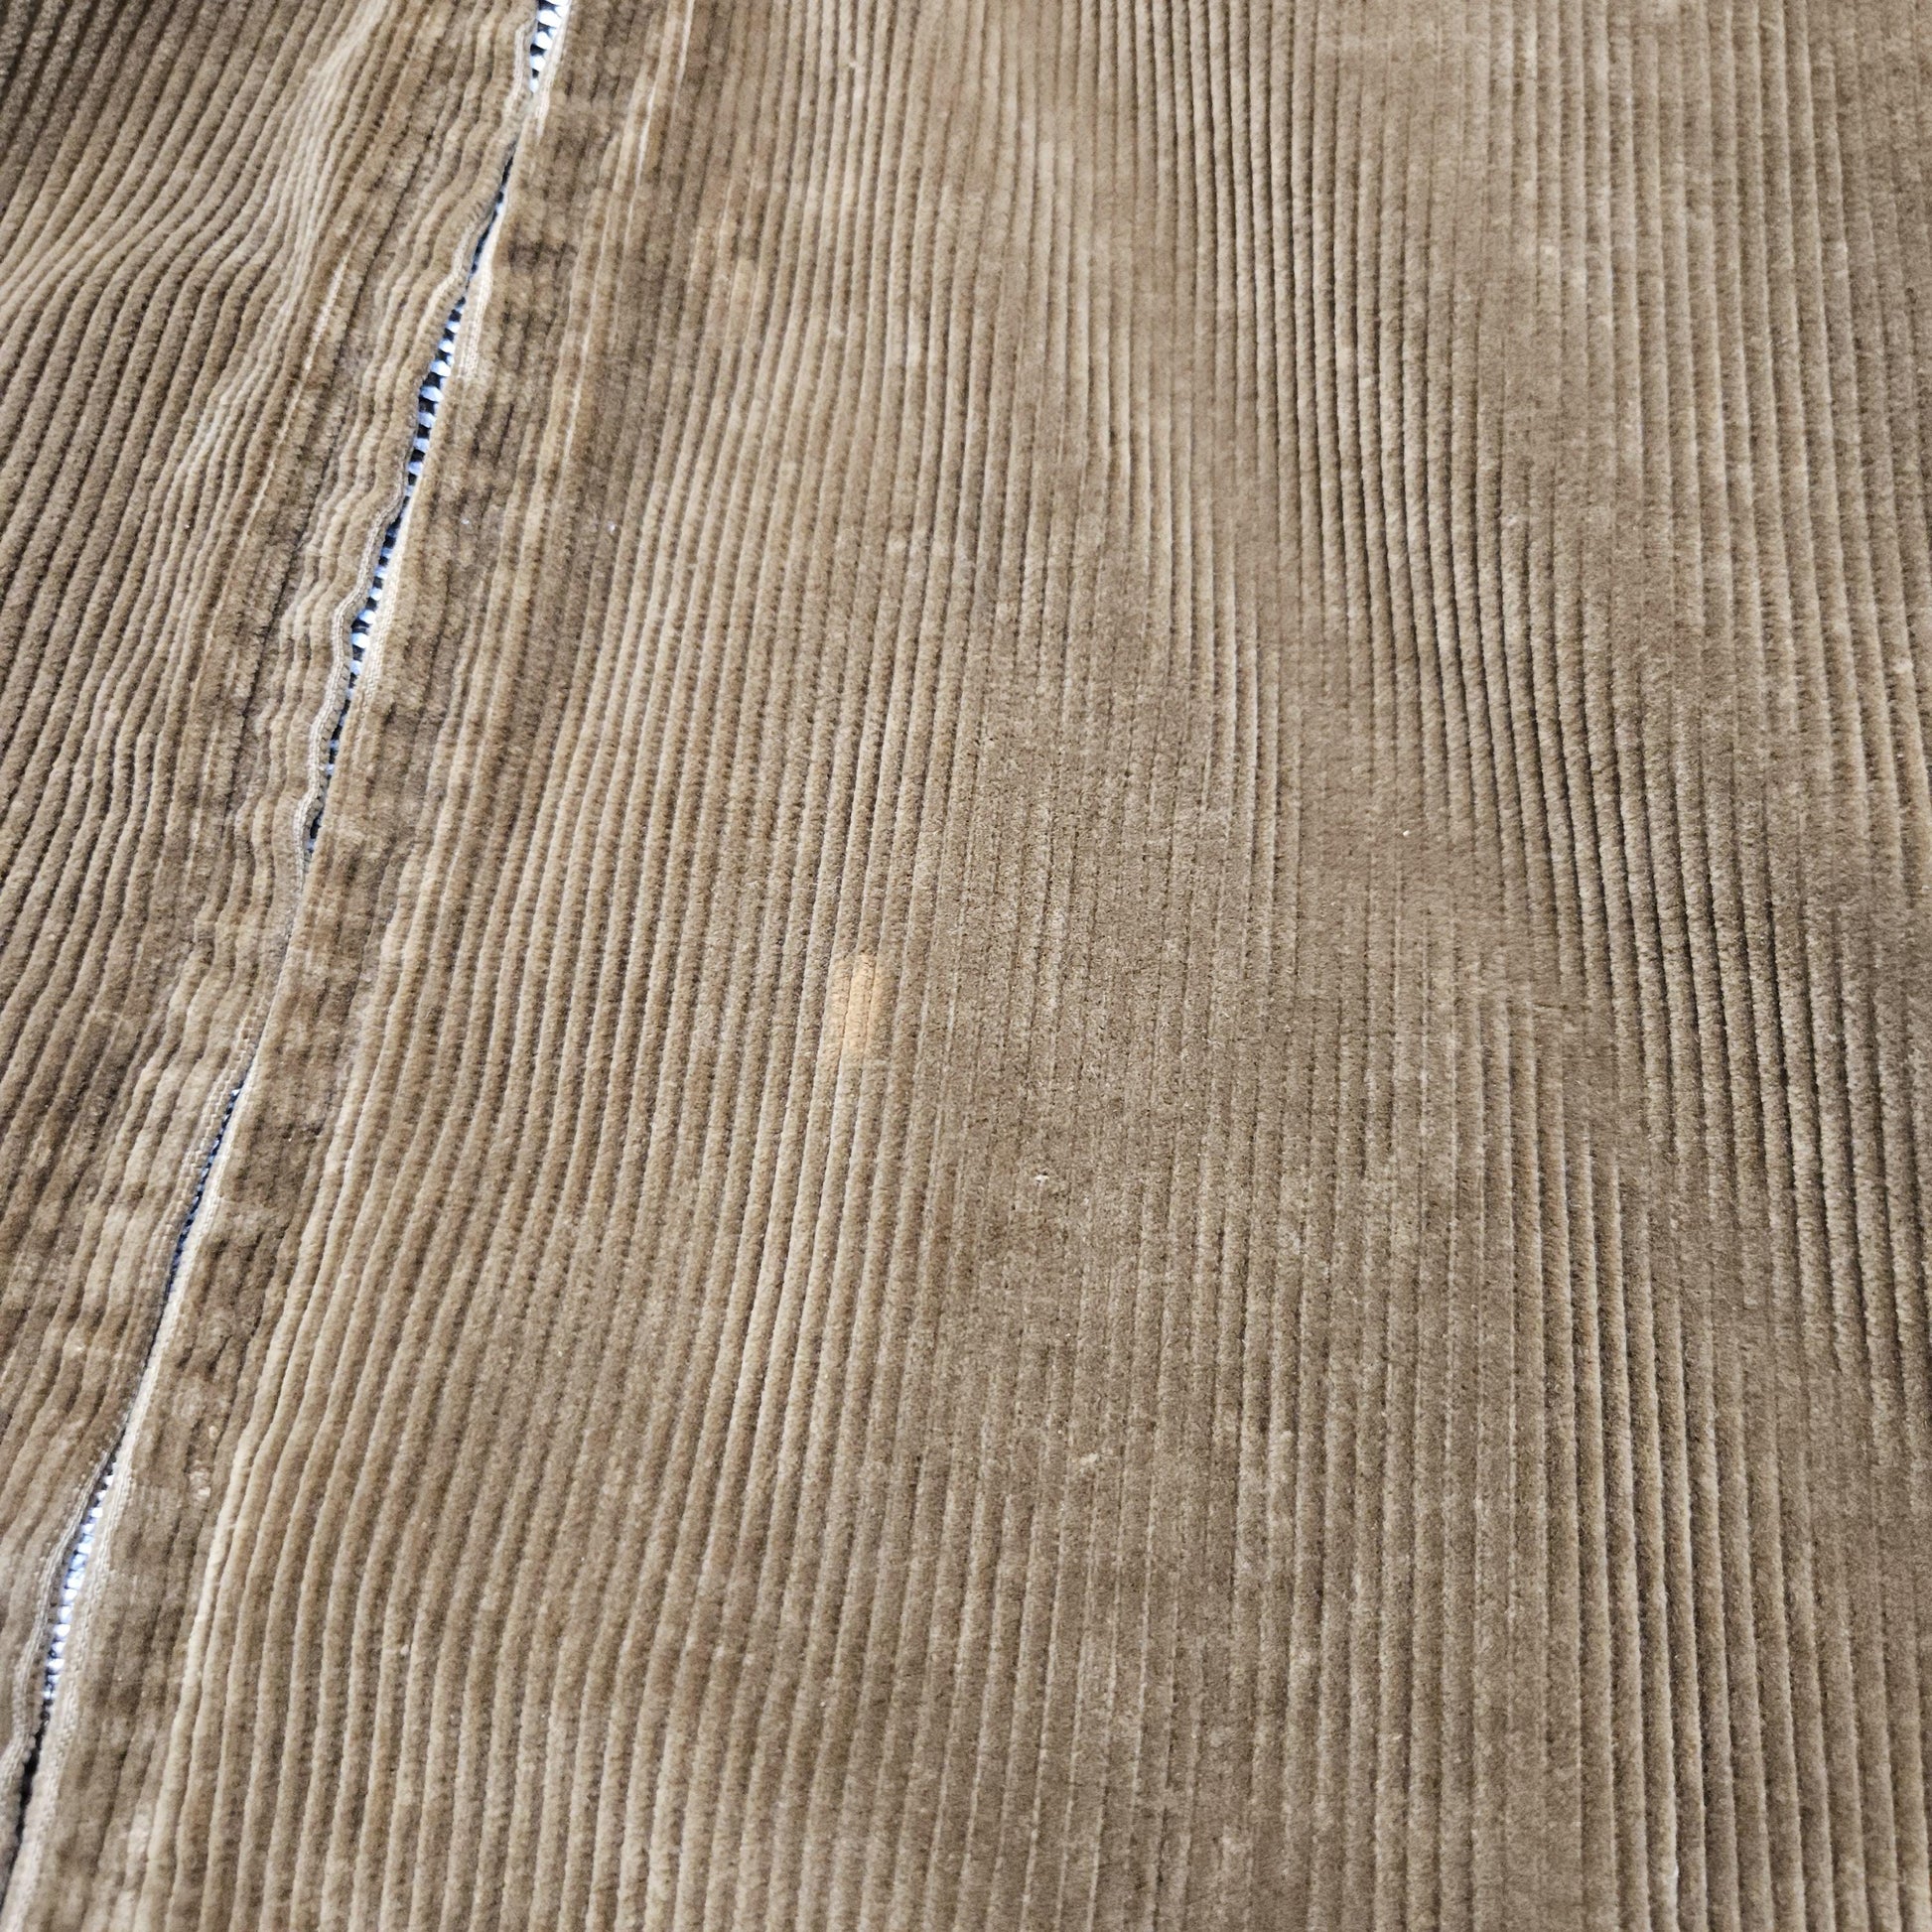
[(429, 398), (78, 1559), (83, 1543), (549, 14)]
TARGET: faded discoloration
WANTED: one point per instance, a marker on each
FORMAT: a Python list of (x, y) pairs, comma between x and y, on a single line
[(856, 1008)]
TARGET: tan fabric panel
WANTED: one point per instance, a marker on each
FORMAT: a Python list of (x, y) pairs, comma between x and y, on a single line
[(1103, 1101), (228, 237)]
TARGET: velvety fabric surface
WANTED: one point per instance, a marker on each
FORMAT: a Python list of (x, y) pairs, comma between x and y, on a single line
[(228, 236), (1102, 1100)]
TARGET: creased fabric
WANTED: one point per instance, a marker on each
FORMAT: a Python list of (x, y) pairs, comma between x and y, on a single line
[(228, 236)]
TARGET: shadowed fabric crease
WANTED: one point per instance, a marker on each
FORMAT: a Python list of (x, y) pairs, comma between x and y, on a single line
[(1103, 1096)]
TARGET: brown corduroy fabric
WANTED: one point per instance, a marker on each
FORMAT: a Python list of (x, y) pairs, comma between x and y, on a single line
[(229, 236), (1102, 1101)]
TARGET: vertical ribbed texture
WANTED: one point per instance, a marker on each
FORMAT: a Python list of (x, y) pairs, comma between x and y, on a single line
[(227, 235), (1103, 1101)]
